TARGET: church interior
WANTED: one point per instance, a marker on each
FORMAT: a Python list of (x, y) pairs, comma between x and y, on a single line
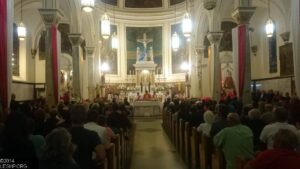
[(138, 84)]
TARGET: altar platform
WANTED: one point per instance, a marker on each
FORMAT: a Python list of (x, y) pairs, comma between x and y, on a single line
[(147, 108)]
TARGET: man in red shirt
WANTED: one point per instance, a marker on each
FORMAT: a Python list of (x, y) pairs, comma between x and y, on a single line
[(283, 156)]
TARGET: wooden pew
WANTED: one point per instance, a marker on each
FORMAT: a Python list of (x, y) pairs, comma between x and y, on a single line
[(170, 125), (172, 129), (218, 161), (181, 138), (117, 151), (111, 158), (177, 142), (240, 162), (122, 149), (205, 152), (187, 144), (195, 159)]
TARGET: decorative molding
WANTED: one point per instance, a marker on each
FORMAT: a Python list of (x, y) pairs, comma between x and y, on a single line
[(242, 15), (285, 36), (76, 39), (50, 16), (90, 51), (214, 37)]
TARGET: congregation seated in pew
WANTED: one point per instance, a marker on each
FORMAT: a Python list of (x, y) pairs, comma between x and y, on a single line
[(234, 140)]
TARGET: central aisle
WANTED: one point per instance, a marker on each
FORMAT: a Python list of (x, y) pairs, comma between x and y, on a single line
[(152, 148)]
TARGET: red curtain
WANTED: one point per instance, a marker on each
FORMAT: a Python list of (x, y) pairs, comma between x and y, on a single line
[(242, 52), (3, 56), (54, 61)]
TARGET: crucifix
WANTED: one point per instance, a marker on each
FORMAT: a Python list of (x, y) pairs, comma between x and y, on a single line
[(142, 56)]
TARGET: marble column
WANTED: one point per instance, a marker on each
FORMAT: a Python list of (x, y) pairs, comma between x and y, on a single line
[(76, 40), (215, 39), (50, 17), (242, 16), (197, 87), (91, 80)]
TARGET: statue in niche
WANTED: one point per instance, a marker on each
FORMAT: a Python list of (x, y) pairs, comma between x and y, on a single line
[(144, 54)]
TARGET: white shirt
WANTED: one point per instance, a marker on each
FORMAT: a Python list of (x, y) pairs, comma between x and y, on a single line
[(269, 131), (204, 128), (101, 131)]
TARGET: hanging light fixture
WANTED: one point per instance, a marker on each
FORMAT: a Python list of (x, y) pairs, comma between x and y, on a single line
[(114, 37), (185, 66), (186, 22), (21, 27), (105, 24), (105, 67), (269, 24), (87, 5), (175, 37), (114, 41)]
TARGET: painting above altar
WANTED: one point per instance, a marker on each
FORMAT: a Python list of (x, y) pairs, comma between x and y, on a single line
[(144, 44)]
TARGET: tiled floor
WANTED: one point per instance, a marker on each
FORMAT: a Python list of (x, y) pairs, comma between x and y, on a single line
[(152, 148)]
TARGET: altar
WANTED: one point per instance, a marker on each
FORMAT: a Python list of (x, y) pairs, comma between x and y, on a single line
[(146, 108)]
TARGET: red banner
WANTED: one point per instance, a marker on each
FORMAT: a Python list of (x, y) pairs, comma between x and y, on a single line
[(3, 57), (241, 56), (54, 61)]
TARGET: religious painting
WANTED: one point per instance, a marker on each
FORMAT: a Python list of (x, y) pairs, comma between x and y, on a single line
[(110, 2), (42, 46), (272, 53), (143, 44), (173, 2), (286, 59), (143, 3), (66, 46), (16, 47), (109, 55), (226, 41), (180, 56)]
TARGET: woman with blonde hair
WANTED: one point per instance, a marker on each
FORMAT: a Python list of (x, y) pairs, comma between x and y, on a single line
[(205, 127)]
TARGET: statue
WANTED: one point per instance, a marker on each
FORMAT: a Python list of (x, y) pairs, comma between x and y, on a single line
[(143, 55)]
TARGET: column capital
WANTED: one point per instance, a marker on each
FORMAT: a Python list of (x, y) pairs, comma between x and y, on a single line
[(199, 49), (90, 51), (50, 16), (214, 37), (76, 39), (285, 36), (242, 15)]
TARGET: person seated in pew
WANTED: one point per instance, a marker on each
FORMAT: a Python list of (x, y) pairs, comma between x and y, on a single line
[(87, 142), (283, 156), (58, 150), (256, 125), (235, 140), (92, 117), (220, 121), (205, 127), (268, 132)]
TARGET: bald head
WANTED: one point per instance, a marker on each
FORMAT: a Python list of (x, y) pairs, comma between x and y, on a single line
[(233, 119)]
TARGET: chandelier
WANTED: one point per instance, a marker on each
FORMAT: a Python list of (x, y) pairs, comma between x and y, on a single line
[(114, 38), (269, 24), (21, 27), (175, 37), (114, 41), (186, 22), (105, 67), (87, 5), (175, 42), (105, 26)]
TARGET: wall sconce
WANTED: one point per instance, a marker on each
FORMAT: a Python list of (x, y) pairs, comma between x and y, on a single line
[(254, 49), (33, 53)]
